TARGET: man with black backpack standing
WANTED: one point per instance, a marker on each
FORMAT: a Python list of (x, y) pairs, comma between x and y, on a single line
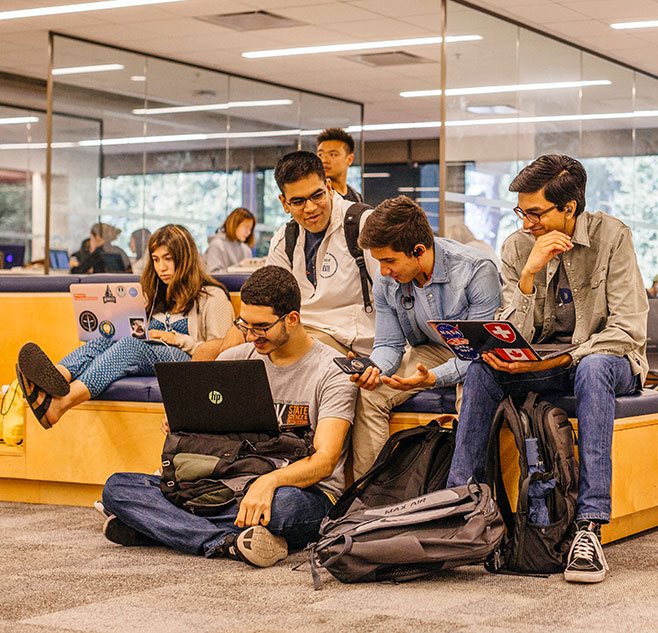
[(569, 276), (319, 245)]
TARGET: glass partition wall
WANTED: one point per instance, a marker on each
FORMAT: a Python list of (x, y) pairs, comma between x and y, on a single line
[(177, 143)]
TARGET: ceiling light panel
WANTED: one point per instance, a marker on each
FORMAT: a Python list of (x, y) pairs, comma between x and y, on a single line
[(481, 90), (209, 107), (647, 24), (96, 68), (16, 120), (358, 46), (78, 8)]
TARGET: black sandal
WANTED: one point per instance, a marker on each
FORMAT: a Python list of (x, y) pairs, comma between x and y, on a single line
[(31, 398), (36, 367)]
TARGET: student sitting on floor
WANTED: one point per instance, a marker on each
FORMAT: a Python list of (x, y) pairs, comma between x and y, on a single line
[(284, 507), (568, 277), (186, 307)]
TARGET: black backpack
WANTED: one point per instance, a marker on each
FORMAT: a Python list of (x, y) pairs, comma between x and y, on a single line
[(397, 522), (351, 229), (540, 531), (197, 466)]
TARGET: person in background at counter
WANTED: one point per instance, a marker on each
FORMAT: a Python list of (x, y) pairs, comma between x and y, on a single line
[(104, 257), (232, 243), (336, 151), (139, 241)]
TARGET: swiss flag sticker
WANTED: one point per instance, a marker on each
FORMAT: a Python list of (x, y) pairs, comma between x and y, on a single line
[(501, 331), (512, 354)]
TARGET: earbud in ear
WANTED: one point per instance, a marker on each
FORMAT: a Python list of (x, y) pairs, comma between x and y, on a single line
[(418, 251)]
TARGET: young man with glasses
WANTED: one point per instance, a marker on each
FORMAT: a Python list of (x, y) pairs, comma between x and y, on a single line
[(282, 508), (422, 278), (569, 276), (333, 308)]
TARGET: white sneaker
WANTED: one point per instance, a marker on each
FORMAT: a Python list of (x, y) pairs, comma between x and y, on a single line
[(258, 546)]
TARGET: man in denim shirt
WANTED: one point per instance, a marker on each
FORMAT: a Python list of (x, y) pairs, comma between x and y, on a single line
[(422, 278), (568, 277)]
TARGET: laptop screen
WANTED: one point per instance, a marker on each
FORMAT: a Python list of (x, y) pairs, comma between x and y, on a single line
[(11, 255), (59, 258)]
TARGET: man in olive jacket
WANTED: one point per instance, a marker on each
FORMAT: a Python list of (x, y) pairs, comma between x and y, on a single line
[(569, 277)]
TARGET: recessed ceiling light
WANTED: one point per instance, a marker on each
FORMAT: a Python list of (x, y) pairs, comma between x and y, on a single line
[(97, 68), (213, 106), (481, 90), (358, 46), (78, 8), (635, 25), (495, 109), (137, 78), (18, 119)]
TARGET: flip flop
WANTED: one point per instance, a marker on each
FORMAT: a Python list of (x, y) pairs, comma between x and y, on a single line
[(39, 369), (31, 397)]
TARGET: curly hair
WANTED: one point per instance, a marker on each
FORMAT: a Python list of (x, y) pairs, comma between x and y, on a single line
[(274, 287)]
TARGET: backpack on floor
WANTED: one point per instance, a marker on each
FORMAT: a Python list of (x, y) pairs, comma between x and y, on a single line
[(540, 531), (398, 523)]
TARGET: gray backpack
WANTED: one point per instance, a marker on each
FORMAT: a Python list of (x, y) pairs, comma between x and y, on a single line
[(378, 531)]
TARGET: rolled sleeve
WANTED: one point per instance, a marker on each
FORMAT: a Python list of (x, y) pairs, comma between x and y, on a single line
[(390, 340)]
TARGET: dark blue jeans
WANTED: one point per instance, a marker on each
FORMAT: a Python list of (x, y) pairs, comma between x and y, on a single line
[(596, 380), (137, 501)]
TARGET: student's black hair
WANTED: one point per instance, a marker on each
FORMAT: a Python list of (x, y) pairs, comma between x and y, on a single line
[(297, 165), (337, 134), (561, 177), (274, 287), (398, 223)]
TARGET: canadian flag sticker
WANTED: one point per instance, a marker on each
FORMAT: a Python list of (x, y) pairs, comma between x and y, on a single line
[(512, 354), (501, 331)]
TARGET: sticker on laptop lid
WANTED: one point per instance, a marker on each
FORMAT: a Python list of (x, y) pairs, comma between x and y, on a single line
[(513, 354), (501, 331)]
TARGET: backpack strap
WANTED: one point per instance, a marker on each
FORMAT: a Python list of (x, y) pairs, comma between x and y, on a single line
[(351, 227), (291, 235)]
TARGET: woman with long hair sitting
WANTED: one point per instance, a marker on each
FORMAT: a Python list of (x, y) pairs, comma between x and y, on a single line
[(233, 241), (185, 305)]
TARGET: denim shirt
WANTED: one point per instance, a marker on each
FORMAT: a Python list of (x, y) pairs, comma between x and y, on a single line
[(465, 285), (608, 292)]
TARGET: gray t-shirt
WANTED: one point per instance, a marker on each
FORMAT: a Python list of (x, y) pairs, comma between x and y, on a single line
[(309, 390)]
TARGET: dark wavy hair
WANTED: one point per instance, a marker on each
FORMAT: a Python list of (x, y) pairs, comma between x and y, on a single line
[(189, 277), (398, 223), (337, 134), (272, 286), (297, 165), (561, 177)]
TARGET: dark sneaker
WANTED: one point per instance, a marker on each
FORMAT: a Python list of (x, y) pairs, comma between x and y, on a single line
[(586, 561), (118, 532), (258, 546)]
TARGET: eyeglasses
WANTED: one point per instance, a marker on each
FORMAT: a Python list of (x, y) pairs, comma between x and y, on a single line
[(532, 216), (298, 204), (257, 331)]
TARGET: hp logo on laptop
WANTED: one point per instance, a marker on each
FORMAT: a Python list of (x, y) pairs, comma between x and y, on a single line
[(215, 397)]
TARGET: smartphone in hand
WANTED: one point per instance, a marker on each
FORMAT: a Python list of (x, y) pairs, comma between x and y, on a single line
[(354, 365)]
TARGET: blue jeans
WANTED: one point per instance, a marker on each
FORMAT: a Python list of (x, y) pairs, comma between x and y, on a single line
[(596, 380), (137, 500)]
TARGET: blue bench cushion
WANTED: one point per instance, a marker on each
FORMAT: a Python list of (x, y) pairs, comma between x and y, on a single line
[(37, 283), (133, 389), (442, 400)]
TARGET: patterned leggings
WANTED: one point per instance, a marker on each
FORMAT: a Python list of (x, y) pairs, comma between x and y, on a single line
[(101, 361)]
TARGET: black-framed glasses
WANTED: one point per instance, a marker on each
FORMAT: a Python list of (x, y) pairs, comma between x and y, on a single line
[(257, 331), (531, 215), (298, 204)]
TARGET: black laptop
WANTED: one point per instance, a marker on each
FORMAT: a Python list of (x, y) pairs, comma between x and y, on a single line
[(468, 339), (222, 396), (11, 256)]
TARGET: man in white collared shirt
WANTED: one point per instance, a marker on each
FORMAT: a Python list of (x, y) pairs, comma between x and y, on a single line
[(333, 308)]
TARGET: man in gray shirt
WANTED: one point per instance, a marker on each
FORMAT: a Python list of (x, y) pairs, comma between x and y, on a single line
[(311, 395)]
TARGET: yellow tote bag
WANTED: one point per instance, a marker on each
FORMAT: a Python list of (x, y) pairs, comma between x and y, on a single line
[(12, 415)]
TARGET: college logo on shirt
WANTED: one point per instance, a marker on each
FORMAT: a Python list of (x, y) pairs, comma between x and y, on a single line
[(329, 266), (292, 416)]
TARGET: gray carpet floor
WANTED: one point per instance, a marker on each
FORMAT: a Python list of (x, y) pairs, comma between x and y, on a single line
[(59, 574)]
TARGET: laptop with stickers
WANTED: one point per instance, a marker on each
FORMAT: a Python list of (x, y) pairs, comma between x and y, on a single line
[(468, 339), (112, 310), (221, 396)]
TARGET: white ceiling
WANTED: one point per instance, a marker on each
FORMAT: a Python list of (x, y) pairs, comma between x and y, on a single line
[(170, 30)]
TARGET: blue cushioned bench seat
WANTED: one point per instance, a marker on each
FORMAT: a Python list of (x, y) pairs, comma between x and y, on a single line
[(37, 283), (442, 400)]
